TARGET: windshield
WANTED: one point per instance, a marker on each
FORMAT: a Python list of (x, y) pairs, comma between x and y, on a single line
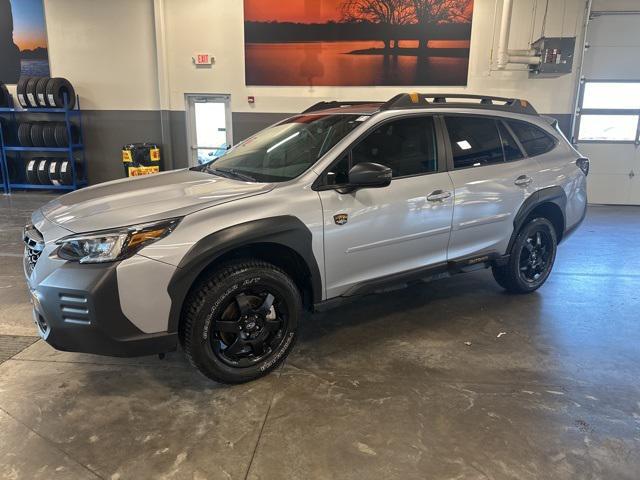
[(284, 151)]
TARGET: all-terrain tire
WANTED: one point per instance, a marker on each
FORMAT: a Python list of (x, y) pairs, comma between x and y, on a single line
[(214, 296), (511, 276)]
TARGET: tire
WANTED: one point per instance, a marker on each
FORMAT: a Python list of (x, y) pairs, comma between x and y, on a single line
[(43, 171), (213, 324), (57, 88), (24, 135), (65, 175), (37, 138), (5, 96), (62, 136), (41, 92), (54, 171), (527, 271), (49, 134), (32, 171), (21, 91), (30, 90)]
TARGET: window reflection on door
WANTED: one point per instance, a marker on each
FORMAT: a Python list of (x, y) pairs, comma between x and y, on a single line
[(209, 127)]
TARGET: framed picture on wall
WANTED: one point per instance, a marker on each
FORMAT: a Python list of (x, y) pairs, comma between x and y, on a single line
[(23, 40), (357, 42)]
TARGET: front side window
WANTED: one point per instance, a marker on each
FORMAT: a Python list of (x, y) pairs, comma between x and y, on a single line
[(533, 139), (284, 151), (475, 141), (407, 146)]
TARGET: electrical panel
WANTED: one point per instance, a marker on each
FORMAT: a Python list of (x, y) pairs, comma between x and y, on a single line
[(556, 54)]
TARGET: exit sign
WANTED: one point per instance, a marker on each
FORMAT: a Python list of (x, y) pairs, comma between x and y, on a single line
[(203, 59)]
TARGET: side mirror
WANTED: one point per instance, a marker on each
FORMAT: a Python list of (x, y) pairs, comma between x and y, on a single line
[(369, 175)]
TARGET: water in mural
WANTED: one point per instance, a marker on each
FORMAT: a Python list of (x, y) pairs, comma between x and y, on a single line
[(357, 42)]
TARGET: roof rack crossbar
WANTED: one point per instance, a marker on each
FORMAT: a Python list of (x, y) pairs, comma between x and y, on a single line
[(437, 100), (333, 104)]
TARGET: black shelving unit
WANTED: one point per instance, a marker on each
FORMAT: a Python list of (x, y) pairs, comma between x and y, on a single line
[(14, 153)]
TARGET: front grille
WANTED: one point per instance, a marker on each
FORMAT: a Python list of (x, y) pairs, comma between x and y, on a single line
[(33, 246)]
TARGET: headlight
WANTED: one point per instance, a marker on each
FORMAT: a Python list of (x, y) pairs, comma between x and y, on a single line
[(112, 245)]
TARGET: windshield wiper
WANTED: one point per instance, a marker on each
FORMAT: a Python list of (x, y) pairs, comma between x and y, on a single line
[(231, 173)]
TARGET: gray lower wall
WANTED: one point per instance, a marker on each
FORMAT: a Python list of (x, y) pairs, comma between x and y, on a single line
[(107, 131)]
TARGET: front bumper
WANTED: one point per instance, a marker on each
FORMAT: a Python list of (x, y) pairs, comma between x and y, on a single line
[(77, 309)]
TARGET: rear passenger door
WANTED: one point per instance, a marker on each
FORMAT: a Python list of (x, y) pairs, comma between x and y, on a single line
[(491, 178)]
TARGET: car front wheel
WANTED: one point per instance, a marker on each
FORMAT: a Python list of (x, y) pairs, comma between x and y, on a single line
[(240, 323), (531, 258)]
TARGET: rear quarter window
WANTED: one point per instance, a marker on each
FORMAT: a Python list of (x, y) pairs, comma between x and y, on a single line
[(534, 140)]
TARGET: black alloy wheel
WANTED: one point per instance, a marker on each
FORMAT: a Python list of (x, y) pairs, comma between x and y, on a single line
[(250, 328), (531, 258), (240, 321), (535, 255)]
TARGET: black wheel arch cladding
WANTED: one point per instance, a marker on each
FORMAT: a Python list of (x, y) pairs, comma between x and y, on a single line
[(552, 195), (282, 231)]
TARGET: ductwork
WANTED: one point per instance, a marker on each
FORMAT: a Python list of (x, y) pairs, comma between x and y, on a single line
[(506, 56)]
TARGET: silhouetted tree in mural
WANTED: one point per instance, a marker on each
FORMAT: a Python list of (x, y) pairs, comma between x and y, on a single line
[(9, 52), (385, 12), (430, 12), (390, 13)]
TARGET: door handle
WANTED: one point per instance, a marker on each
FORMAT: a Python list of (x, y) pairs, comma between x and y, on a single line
[(438, 196), (523, 180)]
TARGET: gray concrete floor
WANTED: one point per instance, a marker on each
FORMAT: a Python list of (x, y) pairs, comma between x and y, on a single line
[(384, 388)]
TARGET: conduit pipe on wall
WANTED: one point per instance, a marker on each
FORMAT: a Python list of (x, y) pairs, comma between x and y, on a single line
[(506, 56)]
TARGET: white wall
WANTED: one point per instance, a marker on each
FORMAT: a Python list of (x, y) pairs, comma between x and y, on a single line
[(216, 27), (107, 50)]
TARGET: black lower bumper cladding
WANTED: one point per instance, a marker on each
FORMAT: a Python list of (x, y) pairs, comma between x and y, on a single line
[(78, 309)]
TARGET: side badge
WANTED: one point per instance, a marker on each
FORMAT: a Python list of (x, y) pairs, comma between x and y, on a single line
[(341, 218)]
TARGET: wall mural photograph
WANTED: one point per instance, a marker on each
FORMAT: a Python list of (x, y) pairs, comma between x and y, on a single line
[(357, 42), (23, 40)]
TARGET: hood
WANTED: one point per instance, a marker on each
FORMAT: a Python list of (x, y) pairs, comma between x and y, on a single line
[(145, 199)]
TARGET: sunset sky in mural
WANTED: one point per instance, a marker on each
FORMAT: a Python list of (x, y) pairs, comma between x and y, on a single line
[(298, 11), (29, 29), (302, 11)]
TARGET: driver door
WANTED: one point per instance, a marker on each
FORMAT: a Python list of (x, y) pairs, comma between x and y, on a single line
[(378, 232)]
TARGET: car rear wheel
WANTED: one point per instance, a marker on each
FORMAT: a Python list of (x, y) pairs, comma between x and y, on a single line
[(531, 258), (241, 322)]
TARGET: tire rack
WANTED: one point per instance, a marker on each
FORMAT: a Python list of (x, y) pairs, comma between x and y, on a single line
[(70, 150)]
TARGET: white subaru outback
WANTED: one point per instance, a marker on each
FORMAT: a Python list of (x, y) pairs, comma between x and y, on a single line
[(342, 200)]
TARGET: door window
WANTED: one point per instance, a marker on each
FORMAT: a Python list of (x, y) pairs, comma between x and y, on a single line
[(209, 118), (532, 138), (475, 141), (511, 150), (407, 146)]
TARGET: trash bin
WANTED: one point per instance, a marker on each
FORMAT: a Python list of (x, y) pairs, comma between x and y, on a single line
[(141, 159)]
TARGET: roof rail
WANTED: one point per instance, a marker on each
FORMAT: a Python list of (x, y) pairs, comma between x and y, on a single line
[(439, 100), (334, 104)]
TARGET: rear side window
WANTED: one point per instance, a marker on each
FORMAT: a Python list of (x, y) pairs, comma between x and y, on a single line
[(533, 139), (511, 150), (475, 141)]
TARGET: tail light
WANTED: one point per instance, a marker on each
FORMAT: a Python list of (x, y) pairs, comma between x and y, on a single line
[(583, 164)]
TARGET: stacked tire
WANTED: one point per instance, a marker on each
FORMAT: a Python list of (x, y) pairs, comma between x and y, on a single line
[(49, 171), (45, 92), (5, 96), (46, 134)]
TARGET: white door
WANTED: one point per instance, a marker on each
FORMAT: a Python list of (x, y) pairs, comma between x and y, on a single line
[(209, 127), (608, 124), (377, 232)]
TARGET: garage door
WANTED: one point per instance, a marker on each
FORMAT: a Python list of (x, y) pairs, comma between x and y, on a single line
[(608, 126)]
